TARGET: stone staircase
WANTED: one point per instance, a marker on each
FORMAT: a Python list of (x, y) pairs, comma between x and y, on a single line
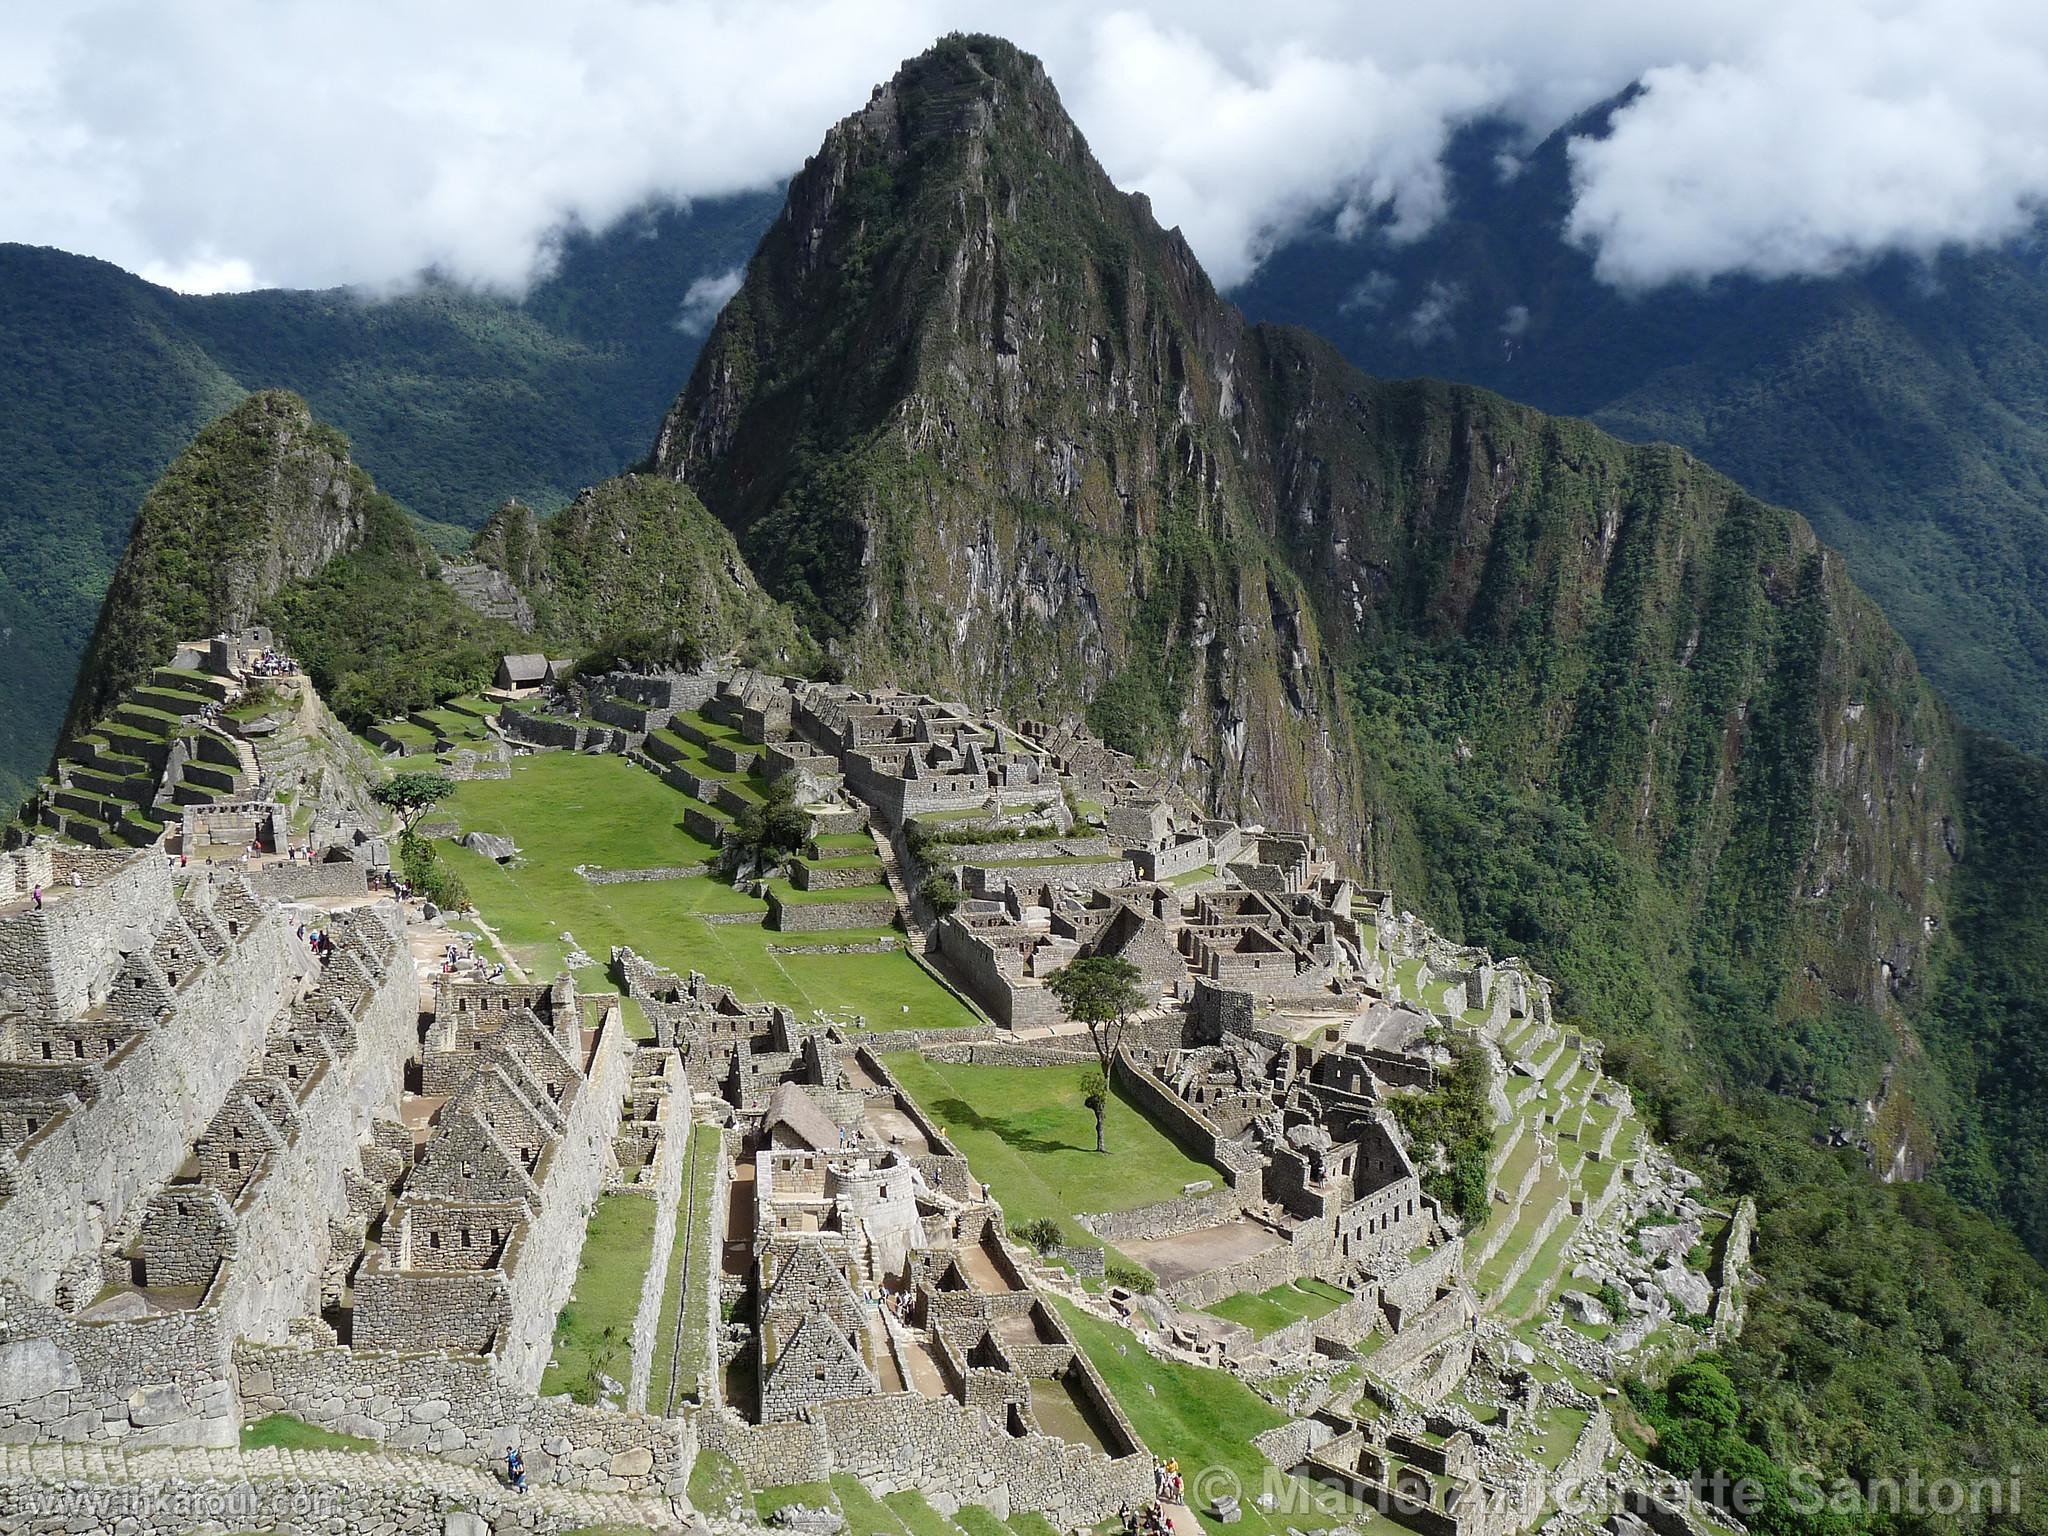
[(488, 591), (365, 1486)]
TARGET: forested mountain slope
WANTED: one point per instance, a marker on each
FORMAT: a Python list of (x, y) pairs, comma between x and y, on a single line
[(1899, 406)]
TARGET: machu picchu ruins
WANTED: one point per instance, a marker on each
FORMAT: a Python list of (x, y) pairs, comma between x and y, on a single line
[(285, 1143)]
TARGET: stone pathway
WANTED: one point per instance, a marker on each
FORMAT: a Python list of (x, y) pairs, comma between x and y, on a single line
[(349, 1471)]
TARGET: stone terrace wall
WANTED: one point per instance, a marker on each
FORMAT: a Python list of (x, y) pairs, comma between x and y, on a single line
[(1165, 1218), (957, 1456), (1293, 1259), (165, 1379), (769, 1454), (302, 882), (459, 1408), (77, 1177), (818, 916)]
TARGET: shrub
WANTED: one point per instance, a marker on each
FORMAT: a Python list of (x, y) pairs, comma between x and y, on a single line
[(941, 892), (427, 875), (1140, 1282), (1042, 1233)]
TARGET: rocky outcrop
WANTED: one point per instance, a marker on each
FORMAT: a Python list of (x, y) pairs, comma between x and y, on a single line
[(630, 558)]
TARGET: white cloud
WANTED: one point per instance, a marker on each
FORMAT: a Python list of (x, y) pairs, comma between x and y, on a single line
[(1431, 320), (1845, 131), (705, 298), (217, 142)]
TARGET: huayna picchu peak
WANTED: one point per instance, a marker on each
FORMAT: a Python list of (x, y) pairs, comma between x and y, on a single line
[(1061, 914)]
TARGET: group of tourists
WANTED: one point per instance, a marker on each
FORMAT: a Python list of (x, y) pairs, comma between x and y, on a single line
[(268, 663), (318, 940)]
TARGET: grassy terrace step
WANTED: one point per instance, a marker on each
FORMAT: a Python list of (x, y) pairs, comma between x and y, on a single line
[(1268, 1310), (148, 718), (594, 1332), (172, 701), (106, 808), (1026, 1132), (831, 844), (868, 860), (692, 724), (116, 786), (791, 896), (566, 809)]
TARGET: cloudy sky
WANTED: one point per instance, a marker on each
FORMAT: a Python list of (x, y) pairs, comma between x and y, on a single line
[(237, 143)]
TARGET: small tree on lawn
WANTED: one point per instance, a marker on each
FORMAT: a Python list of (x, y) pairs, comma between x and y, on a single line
[(1101, 991), (774, 829), (412, 795)]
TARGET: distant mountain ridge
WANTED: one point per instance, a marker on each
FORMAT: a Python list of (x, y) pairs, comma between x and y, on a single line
[(460, 399), (1901, 408)]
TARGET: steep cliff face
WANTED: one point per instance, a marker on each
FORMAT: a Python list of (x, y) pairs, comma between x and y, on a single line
[(990, 429), (969, 414), (263, 496), (634, 556)]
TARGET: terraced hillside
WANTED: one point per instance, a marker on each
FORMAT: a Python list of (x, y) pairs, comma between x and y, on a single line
[(162, 747)]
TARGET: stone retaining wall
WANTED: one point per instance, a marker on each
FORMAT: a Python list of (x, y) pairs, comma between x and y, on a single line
[(598, 875), (1166, 1218), (824, 916), (301, 882), (956, 1455), (461, 1409)]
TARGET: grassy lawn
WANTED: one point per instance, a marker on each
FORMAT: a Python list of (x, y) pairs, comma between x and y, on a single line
[(564, 809), (1265, 1311), (1206, 1418), (282, 1432), (715, 1482), (595, 1331), (684, 1288), (1026, 1132)]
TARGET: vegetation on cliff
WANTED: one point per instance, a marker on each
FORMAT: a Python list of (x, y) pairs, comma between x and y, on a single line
[(1895, 405), (637, 558), (210, 542)]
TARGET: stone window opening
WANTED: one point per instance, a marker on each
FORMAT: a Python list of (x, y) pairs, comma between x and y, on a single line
[(46, 1050), (234, 1162)]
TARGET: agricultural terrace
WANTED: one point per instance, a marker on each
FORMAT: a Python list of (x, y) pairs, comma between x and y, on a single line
[(565, 809)]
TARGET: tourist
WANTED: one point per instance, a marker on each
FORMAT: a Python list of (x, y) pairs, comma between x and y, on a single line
[(515, 1469), (36, 896)]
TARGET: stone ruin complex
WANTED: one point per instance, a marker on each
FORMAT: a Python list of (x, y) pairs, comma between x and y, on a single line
[(241, 1178)]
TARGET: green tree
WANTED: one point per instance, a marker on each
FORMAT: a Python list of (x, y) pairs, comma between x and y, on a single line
[(775, 828), (941, 892), (1101, 991), (412, 795)]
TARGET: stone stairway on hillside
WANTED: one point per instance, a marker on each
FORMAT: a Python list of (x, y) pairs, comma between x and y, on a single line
[(490, 592), (369, 1488), (121, 782)]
